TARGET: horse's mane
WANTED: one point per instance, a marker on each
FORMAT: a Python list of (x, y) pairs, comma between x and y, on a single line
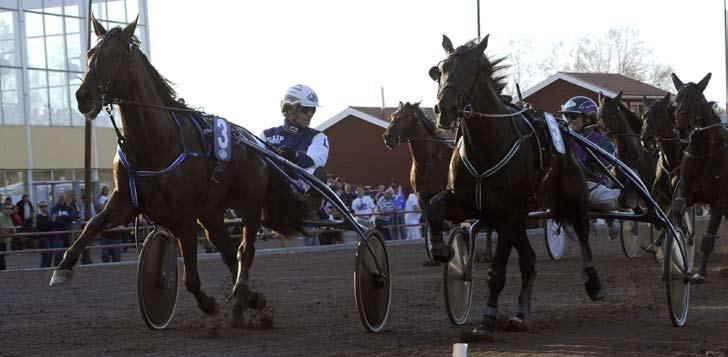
[(431, 125), (161, 84), (492, 66), (635, 122)]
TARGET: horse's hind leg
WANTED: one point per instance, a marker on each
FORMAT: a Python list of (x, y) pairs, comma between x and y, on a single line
[(527, 264), (708, 243), (187, 237), (243, 296), (219, 236), (116, 212)]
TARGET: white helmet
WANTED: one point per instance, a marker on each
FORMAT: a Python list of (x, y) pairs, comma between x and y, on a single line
[(300, 94)]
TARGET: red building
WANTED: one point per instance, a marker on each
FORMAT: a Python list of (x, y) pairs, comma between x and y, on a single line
[(357, 152), (555, 90)]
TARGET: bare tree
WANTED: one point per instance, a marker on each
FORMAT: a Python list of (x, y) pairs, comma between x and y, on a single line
[(619, 50)]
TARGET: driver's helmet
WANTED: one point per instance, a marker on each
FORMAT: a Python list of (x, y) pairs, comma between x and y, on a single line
[(580, 105), (301, 95)]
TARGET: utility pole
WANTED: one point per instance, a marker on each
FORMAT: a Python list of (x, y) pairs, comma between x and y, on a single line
[(725, 40), (478, 1)]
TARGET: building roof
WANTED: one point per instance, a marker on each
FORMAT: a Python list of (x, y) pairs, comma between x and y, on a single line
[(374, 115), (608, 83)]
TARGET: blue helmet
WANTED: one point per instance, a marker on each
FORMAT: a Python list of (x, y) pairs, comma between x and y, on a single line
[(580, 105)]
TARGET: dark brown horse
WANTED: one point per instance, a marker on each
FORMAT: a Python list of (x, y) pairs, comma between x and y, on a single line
[(659, 131), (497, 175), (624, 127), (156, 127), (430, 151), (704, 167)]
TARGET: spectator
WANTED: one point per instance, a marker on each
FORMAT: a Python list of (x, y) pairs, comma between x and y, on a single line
[(413, 204), (80, 214), (364, 206), (380, 193), (62, 217), (43, 224), (399, 203), (103, 198), (6, 227), (385, 208), (26, 211), (349, 195)]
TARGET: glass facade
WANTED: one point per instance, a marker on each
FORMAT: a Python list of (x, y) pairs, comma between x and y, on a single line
[(48, 184), (42, 54)]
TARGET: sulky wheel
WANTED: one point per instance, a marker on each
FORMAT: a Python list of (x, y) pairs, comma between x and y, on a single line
[(458, 277), (555, 235), (676, 274), (372, 281), (157, 279), (630, 238)]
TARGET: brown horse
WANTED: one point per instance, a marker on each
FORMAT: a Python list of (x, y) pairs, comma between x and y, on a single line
[(704, 167), (497, 175), (430, 151), (624, 126), (659, 130), (154, 126)]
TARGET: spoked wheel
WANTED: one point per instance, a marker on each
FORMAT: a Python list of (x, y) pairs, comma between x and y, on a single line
[(458, 277), (555, 235), (630, 238), (157, 279), (676, 273), (372, 281)]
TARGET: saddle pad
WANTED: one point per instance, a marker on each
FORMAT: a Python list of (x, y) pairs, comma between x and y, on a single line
[(556, 139), (223, 144)]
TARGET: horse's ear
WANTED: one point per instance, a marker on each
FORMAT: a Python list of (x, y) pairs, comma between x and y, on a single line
[(447, 45), (676, 81), (129, 29), (704, 82), (483, 43), (645, 102), (600, 99), (400, 103), (618, 98), (98, 28), (417, 104), (435, 73), (667, 97)]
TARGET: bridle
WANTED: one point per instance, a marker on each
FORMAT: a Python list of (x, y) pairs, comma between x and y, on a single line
[(419, 119), (108, 88), (685, 107)]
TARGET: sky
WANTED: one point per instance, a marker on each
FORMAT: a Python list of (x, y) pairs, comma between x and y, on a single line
[(236, 59)]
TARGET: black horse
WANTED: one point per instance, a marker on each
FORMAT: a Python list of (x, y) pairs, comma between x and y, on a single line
[(704, 167), (497, 176)]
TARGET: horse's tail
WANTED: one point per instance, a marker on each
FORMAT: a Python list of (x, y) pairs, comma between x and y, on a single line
[(282, 210)]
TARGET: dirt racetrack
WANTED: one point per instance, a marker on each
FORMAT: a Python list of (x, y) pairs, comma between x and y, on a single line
[(315, 315)]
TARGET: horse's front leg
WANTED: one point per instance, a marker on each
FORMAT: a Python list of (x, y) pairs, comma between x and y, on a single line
[(187, 236), (442, 206), (118, 210)]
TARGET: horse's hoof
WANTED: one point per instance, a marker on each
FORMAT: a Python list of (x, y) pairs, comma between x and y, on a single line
[(256, 301), (483, 332), (697, 278), (60, 277), (441, 252), (515, 324), (209, 306), (430, 263), (483, 257), (238, 321), (593, 286)]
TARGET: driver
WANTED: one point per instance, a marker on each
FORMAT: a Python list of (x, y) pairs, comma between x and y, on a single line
[(581, 114), (297, 142)]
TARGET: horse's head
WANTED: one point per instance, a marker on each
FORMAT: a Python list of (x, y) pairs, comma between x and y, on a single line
[(690, 103), (611, 120), (108, 68), (402, 124), (659, 121), (458, 78)]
